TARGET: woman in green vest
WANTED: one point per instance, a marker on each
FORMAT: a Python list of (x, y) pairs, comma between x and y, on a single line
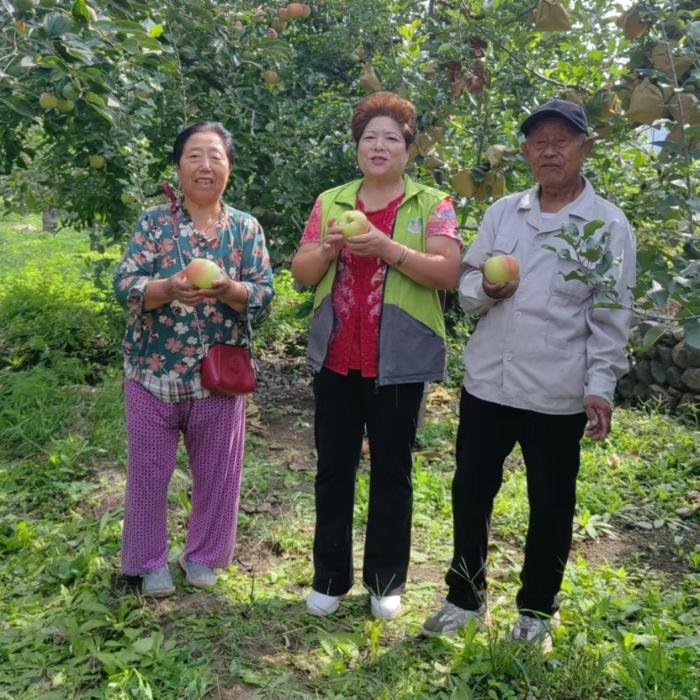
[(377, 336)]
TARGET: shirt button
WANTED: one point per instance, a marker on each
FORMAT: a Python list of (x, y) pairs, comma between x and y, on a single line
[(531, 276), (509, 356), (518, 314)]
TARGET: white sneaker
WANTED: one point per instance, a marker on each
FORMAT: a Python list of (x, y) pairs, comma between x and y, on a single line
[(535, 630), (450, 619), (321, 605), (385, 607)]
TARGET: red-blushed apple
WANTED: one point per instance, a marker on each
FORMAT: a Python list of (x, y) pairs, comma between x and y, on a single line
[(295, 9), (352, 223), (202, 272), (270, 77), (501, 269)]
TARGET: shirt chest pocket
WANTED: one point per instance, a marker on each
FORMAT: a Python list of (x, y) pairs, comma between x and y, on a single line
[(504, 244), (567, 284)]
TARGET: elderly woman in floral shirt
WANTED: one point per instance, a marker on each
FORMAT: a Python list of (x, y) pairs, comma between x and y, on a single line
[(170, 324)]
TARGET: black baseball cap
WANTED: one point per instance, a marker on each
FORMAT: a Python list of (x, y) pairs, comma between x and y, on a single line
[(572, 113)]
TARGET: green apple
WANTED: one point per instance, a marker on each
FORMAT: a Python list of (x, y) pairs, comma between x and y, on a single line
[(48, 100), (202, 272), (501, 269), (65, 105), (70, 92), (97, 161), (352, 223)]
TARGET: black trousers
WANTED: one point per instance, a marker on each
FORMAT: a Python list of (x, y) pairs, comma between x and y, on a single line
[(344, 406), (551, 450)]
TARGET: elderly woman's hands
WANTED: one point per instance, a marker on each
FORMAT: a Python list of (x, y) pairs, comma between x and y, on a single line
[(223, 287), (182, 290), (231, 292)]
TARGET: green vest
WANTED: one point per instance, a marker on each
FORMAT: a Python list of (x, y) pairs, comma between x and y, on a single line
[(412, 327)]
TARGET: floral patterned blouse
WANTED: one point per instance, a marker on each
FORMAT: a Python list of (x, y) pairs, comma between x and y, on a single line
[(162, 347), (358, 289)]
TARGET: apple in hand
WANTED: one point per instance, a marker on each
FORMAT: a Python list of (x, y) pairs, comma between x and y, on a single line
[(352, 223), (202, 272), (501, 269)]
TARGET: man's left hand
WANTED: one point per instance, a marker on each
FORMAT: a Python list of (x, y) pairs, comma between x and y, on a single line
[(599, 412)]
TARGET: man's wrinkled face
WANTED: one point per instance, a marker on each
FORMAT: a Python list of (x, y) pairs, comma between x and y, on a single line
[(555, 152)]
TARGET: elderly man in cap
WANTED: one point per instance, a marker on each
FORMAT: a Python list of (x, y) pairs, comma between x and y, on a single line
[(541, 369)]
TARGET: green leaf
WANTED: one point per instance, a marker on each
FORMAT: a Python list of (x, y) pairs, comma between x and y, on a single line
[(56, 25), (81, 52), (691, 328), (652, 336), (127, 27), (591, 227), (106, 114), (95, 99), (19, 106), (143, 645), (592, 253), (79, 10), (605, 263)]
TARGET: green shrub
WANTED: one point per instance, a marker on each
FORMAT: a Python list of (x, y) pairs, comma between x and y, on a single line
[(284, 330), (48, 312), (37, 406)]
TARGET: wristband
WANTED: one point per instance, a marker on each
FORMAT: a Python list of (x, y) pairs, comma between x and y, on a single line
[(402, 257)]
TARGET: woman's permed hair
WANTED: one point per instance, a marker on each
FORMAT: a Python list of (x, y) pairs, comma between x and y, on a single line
[(217, 127), (385, 104)]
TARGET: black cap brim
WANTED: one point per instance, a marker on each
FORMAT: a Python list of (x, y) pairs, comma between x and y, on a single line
[(539, 115)]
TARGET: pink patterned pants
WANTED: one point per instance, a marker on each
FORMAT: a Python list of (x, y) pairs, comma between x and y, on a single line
[(214, 435)]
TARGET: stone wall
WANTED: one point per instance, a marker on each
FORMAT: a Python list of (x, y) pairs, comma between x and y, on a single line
[(669, 372)]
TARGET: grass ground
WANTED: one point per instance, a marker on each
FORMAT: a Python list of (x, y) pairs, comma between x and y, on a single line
[(71, 626)]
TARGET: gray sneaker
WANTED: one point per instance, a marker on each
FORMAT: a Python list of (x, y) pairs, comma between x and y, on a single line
[(450, 619), (158, 584), (535, 630), (197, 575)]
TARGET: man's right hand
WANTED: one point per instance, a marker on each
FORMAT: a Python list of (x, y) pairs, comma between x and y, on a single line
[(500, 290)]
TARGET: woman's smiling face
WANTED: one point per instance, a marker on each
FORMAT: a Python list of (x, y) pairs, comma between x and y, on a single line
[(204, 166), (381, 150)]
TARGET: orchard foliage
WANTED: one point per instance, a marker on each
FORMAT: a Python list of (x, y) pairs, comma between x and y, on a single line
[(92, 98)]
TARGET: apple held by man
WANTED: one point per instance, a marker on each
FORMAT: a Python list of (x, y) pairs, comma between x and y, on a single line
[(501, 269)]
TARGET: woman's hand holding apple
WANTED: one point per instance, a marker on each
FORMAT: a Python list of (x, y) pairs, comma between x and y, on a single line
[(182, 290), (373, 243), (333, 242)]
